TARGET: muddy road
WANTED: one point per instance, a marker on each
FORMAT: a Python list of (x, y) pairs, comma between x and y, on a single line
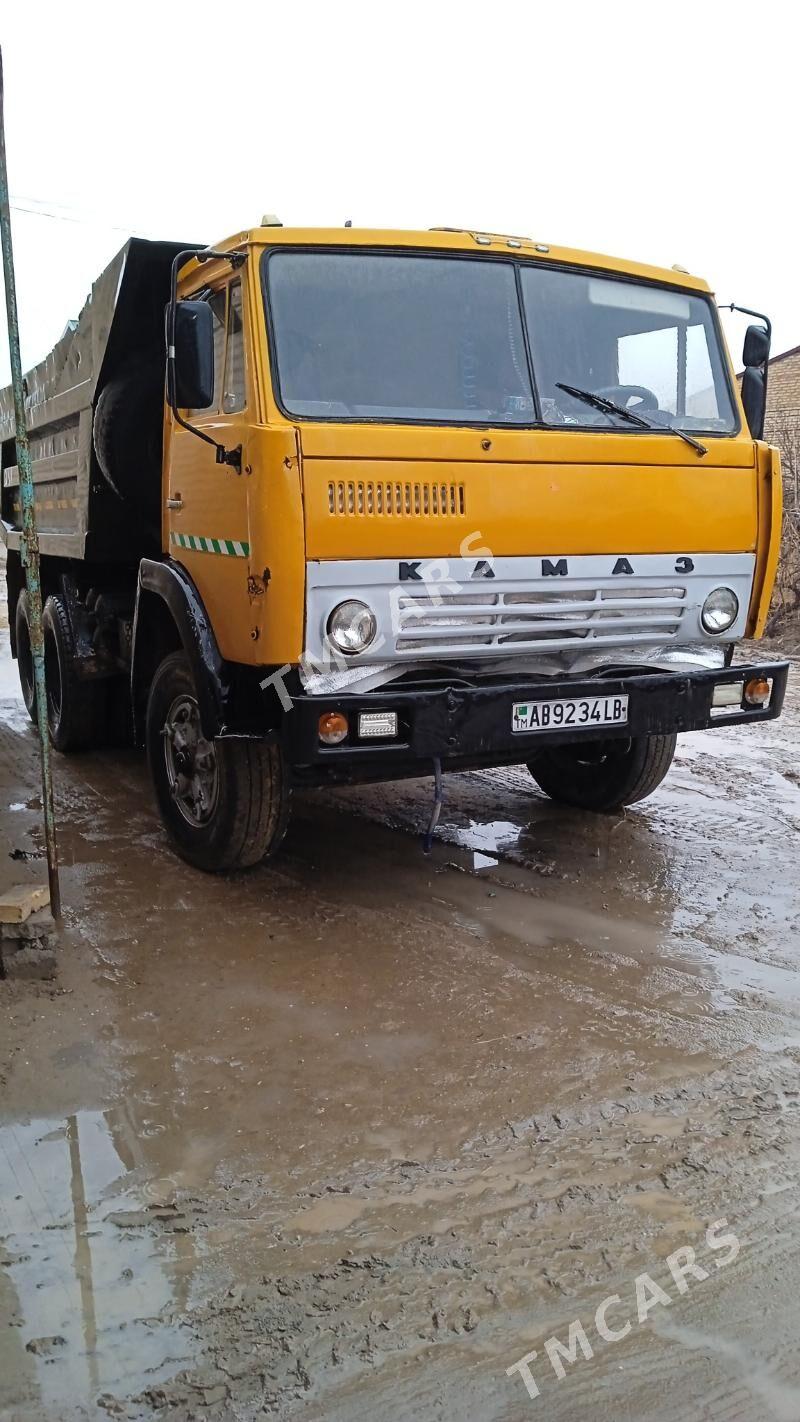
[(349, 1136)]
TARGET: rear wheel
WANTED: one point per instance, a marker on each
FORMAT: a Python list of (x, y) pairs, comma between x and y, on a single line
[(225, 803), (22, 633), (604, 775), (74, 703)]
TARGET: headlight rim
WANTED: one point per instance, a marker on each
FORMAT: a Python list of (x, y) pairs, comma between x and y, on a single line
[(373, 625), (720, 631)]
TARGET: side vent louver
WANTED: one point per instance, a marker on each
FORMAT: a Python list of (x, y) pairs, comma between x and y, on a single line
[(346, 497)]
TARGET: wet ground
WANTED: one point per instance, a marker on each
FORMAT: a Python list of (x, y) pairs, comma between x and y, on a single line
[(347, 1137)]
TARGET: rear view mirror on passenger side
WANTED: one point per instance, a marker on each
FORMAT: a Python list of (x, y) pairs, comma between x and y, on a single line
[(754, 384), (756, 345), (190, 353), (194, 355)]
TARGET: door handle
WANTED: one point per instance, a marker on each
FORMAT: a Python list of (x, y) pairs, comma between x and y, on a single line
[(175, 502)]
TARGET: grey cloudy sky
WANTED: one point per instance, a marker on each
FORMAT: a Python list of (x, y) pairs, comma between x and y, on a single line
[(666, 133)]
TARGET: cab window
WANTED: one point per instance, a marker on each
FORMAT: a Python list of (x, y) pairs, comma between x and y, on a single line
[(234, 394), (229, 362), (217, 302)]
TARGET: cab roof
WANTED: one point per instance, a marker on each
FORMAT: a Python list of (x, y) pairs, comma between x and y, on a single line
[(447, 239)]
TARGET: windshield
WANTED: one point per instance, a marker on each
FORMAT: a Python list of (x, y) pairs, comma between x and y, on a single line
[(368, 335), (648, 348), (386, 337)]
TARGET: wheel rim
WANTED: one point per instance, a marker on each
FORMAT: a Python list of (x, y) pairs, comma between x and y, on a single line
[(191, 763)]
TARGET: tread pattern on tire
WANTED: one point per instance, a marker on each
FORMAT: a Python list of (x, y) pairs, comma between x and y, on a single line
[(25, 671), (77, 726), (256, 792), (127, 434), (263, 802), (657, 761), (637, 778)]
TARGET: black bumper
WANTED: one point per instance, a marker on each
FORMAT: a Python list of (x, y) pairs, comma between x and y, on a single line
[(471, 725)]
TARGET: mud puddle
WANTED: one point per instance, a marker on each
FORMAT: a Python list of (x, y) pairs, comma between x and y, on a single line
[(345, 1137), (89, 1264)]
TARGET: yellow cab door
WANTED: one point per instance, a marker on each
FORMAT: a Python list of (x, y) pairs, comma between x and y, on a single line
[(206, 524)]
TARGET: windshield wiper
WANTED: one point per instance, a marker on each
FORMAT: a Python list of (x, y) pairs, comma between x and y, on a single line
[(610, 407)]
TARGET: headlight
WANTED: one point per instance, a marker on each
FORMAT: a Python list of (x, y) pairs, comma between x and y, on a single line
[(351, 627), (720, 610)]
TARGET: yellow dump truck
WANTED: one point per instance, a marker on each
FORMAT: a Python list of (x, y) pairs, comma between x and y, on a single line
[(334, 505)]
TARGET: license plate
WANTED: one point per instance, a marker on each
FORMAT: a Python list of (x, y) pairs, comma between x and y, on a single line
[(564, 712)]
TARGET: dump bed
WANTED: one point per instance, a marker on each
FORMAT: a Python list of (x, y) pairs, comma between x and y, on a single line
[(78, 514)]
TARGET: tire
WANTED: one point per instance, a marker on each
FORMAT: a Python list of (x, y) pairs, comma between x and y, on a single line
[(73, 704), (127, 435), (22, 634), (604, 775), (224, 803)]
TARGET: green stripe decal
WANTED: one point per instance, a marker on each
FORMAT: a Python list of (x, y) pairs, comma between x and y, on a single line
[(228, 547)]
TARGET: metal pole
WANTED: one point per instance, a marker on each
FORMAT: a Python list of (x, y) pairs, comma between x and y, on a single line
[(30, 540)]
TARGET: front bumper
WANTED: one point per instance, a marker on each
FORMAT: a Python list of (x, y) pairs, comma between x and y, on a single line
[(471, 724)]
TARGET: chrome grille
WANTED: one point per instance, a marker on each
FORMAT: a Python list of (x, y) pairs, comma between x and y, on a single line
[(537, 619)]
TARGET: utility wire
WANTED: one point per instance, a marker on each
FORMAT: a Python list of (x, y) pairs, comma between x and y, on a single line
[(30, 207)]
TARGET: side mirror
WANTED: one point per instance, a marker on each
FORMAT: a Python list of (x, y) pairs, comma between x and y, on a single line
[(190, 353), (754, 379), (756, 346), (193, 355)]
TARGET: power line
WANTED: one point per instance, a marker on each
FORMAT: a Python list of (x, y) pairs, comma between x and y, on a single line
[(26, 205)]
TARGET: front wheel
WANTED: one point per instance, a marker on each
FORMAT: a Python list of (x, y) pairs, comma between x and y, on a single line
[(606, 774), (225, 803)]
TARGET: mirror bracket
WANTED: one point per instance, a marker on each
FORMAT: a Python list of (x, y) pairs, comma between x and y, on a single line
[(232, 457), (754, 378), (208, 254)]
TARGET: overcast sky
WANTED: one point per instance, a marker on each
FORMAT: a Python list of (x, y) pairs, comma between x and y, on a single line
[(662, 132)]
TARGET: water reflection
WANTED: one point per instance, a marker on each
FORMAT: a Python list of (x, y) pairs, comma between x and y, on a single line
[(87, 1283), (488, 836)]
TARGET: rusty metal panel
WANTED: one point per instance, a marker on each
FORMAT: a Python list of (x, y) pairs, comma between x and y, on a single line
[(63, 383), (59, 394)]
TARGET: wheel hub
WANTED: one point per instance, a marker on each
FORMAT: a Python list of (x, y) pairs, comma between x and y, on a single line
[(191, 762)]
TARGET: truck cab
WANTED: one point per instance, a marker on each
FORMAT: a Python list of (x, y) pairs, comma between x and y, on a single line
[(434, 501)]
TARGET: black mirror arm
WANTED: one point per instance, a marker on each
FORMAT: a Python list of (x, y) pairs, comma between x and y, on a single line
[(231, 457), (745, 310), (759, 315)]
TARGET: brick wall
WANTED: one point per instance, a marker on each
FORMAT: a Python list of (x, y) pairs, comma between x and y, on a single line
[(782, 427), (783, 384)]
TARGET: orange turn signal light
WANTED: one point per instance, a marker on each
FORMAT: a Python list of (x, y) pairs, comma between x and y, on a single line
[(333, 728), (757, 691)]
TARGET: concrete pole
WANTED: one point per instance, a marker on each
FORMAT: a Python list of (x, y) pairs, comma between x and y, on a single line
[(30, 540)]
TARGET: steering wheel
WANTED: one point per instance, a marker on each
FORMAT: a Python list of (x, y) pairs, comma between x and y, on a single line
[(621, 394)]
